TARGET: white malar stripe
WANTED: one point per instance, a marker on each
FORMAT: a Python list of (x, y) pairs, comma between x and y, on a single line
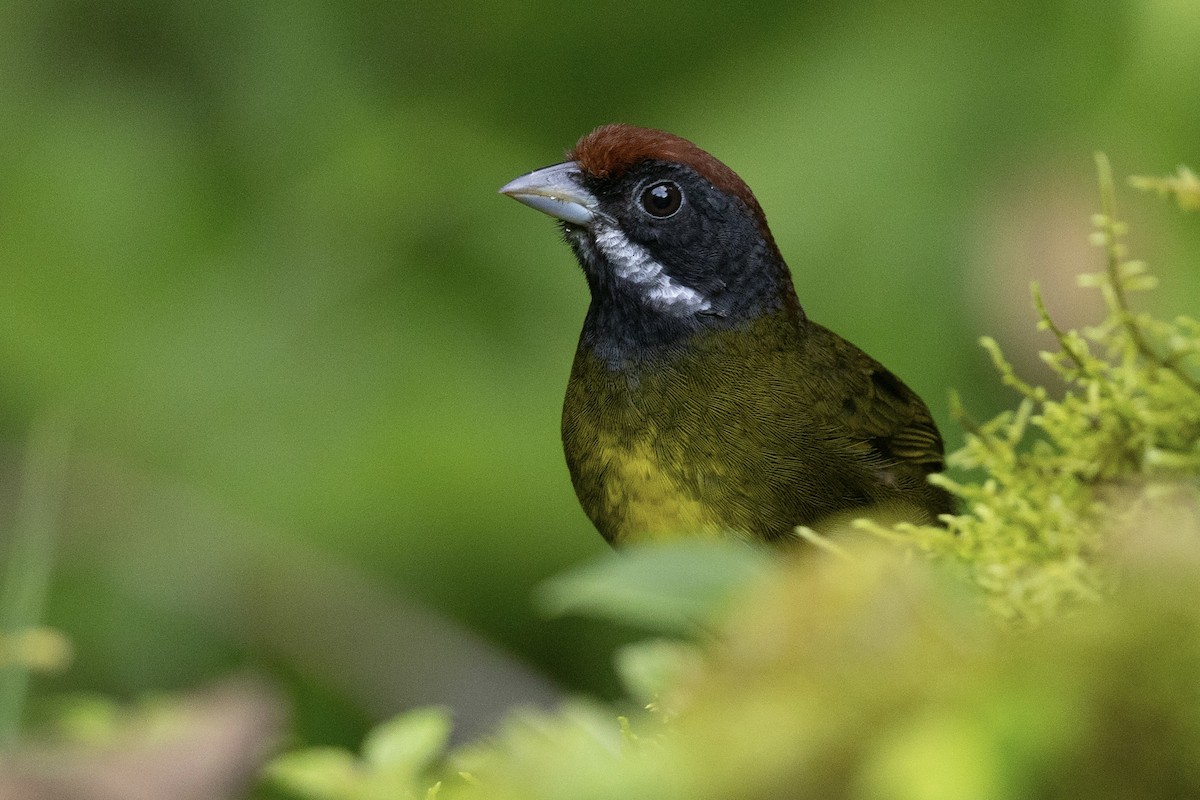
[(633, 263)]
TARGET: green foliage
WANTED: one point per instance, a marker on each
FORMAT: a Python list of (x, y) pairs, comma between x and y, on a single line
[(1059, 469), (667, 587), (1184, 186), (857, 671), (876, 676), (395, 762)]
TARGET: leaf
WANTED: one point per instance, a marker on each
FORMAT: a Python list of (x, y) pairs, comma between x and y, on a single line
[(649, 668), (671, 588), (318, 773), (409, 743)]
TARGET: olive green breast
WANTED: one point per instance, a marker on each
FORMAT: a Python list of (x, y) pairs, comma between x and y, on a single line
[(749, 432)]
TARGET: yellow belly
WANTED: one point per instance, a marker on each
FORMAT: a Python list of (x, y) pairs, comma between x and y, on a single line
[(640, 491)]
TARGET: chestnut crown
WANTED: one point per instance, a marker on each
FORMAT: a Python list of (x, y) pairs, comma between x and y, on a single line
[(610, 151)]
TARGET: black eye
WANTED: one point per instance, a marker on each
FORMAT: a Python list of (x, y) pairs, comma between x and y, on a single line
[(661, 199)]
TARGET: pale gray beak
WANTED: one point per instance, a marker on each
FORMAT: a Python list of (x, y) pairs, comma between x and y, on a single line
[(555, 191)]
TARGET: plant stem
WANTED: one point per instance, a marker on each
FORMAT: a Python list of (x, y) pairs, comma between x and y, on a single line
[(1120, 304), (30, 557)]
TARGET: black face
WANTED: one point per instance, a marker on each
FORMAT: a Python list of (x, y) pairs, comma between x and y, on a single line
[(714, 258)]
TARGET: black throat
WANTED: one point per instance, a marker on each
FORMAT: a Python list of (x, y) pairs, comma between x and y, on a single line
[(626, 329)]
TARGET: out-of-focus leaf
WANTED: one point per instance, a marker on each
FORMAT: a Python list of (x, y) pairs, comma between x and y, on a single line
[(649, 668), (317, 773), (409, 743), (664, 587)]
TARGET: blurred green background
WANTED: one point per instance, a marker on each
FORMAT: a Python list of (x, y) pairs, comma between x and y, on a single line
[(252, 258)]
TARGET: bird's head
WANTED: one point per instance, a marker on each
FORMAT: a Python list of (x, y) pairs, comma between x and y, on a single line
[(663, 230)]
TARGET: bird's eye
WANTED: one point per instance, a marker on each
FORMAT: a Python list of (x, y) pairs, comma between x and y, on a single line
[(661, 199)]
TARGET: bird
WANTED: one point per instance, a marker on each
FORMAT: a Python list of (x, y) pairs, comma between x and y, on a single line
[(702, 401)]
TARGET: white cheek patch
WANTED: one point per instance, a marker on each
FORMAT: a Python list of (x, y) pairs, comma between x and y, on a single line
[(632, 263)]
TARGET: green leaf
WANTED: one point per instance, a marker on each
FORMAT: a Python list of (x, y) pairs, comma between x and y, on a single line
[(671, 588), (649, 668), (409, 743), (318, 773)]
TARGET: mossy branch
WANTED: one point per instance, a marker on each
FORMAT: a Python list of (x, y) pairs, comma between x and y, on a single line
[(1032, 529)]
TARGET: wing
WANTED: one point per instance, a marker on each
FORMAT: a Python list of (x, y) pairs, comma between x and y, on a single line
[(873, 405)]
